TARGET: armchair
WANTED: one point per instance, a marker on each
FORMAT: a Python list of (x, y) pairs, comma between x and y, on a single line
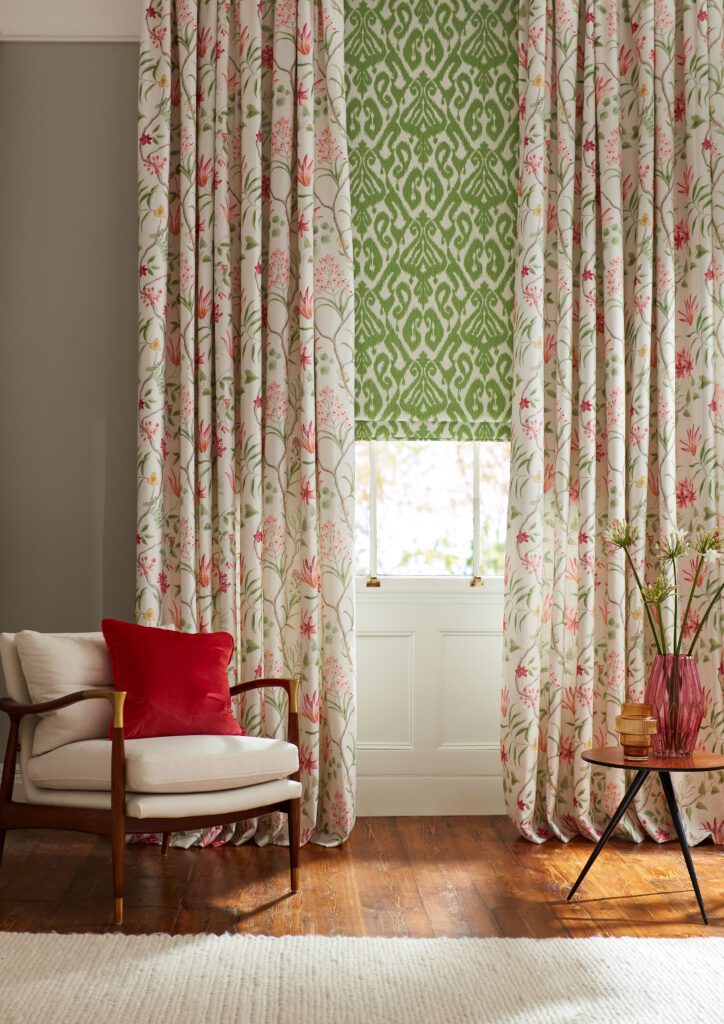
[(165, 784)]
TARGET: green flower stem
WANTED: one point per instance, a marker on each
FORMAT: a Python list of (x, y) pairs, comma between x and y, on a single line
[(661, 628), (677, 650), (648, 610), (663, 634), (714, 600)]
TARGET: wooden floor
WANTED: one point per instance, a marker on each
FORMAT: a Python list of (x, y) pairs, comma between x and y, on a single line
[(415, 877)]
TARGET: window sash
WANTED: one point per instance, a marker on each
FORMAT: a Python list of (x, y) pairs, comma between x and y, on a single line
[(476, 580)]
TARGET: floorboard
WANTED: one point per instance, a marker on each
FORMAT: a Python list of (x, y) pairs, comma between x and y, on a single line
[(418, 877)]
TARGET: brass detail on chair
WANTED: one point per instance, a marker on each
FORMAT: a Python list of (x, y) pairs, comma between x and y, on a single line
[(295, 879), (119, 700), (118, 907), (294, 685)]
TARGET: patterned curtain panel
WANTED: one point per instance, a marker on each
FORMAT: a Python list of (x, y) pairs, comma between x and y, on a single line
[(246, 365), (433, 148), (618, 408)]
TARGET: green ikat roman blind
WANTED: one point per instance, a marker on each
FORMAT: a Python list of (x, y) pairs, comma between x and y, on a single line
[(433, 135)]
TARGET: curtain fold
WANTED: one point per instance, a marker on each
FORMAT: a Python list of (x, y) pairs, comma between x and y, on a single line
[(246, 362), (618, 404)]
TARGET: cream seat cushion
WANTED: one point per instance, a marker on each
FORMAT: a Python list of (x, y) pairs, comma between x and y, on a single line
[(167, 764)]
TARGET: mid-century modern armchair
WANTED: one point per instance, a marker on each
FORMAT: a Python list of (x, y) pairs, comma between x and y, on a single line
[(165, 784)]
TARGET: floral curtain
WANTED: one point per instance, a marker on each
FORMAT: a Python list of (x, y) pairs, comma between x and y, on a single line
[(246, 363), (618, 407)]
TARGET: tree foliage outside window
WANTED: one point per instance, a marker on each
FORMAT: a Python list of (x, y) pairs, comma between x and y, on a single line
[(425, 509)]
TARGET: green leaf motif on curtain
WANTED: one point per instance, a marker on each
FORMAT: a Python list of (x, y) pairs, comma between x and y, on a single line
[(433, 128), (423, 259), (424, 398), (422, 118)]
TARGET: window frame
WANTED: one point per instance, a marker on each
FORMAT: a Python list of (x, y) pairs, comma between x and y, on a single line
[(411, 583)]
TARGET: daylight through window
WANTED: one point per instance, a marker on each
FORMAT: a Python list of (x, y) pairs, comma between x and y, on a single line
[(431, 508)]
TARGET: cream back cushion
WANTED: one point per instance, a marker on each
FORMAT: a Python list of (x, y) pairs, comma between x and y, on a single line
[(56, 664)]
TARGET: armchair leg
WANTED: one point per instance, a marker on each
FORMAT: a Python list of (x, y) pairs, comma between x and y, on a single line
[(295, 823), (118, 847), (164, 843), (118, 811), (8, 774)]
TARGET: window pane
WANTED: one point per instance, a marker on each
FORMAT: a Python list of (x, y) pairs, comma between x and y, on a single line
[(494, 480), (424, 508), (362, 507)]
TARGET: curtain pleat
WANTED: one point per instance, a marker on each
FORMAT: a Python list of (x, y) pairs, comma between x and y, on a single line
[(246, 364), (618, 404)]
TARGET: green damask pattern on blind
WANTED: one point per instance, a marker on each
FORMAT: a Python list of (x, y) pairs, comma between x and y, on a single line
[(432, 122)]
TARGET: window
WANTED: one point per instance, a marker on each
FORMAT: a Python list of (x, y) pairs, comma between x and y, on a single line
[(421, 504)]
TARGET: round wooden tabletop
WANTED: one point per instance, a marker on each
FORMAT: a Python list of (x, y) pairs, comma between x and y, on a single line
[(613, 757)]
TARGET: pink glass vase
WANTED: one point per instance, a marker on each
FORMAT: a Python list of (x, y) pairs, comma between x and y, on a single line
[(676, 697)]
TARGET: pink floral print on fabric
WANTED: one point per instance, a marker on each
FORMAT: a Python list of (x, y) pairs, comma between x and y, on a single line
[(618, 406), (246, 369)]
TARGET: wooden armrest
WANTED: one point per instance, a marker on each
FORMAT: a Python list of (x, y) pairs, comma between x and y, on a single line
[(17, 711), (116, 697), (290, 685)]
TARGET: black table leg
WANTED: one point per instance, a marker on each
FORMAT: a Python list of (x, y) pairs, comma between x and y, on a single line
[(621, 810), (668, 788)]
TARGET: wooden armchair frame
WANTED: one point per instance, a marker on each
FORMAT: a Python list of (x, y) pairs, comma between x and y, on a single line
[(115, 823)]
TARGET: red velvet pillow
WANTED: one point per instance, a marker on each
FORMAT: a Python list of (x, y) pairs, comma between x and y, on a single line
[(176, 682)]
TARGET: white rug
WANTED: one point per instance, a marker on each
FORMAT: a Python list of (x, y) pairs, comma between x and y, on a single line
[(162, 979)]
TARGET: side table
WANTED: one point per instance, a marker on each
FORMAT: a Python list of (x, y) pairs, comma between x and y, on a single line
[(613, 757)]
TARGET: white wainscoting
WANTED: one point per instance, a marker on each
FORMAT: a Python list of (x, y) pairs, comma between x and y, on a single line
[(429, 658)]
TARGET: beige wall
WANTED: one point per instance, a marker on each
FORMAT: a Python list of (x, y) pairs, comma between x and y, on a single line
[(67, 333)]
